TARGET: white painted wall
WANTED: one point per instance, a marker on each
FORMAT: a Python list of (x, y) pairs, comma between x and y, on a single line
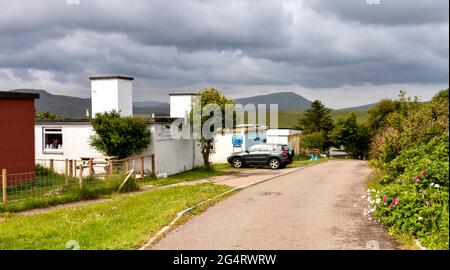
[(223, 146), (112, 94), (280, 136), (171, 156), (180, 105)]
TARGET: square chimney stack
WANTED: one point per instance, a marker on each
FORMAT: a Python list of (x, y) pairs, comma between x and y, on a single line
[(112, 93)]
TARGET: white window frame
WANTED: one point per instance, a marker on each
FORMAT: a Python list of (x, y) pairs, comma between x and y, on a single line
[(52, 130)]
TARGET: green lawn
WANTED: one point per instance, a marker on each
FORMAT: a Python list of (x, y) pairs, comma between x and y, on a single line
[(125, 222), (196, 174)]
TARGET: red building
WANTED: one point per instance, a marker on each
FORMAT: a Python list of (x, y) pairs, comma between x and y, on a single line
[(17, 114)]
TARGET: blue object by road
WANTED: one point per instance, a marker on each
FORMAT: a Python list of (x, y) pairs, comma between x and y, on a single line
[(237, 140), (314, 157)]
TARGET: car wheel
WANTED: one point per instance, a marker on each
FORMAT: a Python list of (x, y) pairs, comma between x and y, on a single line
[(237, 162), (274, 163)]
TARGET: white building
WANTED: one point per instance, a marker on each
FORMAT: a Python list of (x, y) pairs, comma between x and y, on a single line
[(69, 139), (280, 136), (236, 140)]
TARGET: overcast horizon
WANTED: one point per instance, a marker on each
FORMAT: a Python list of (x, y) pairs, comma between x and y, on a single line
[(345, 54)]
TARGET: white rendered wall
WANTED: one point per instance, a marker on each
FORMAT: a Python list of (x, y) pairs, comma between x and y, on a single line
[(223, 146), (171, 156), (180, 105), (112, 94)]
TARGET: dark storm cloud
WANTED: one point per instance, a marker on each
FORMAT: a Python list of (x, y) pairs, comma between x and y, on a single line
[(176, 44)]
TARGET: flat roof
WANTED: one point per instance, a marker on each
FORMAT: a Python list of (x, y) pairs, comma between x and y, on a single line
[(84, 121), (17, 95), (183, 94), (111, 77)]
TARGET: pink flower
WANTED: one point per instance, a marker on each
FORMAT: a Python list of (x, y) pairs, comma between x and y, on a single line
[(384, 198), (417, 179), (424, 172), (395, 202)]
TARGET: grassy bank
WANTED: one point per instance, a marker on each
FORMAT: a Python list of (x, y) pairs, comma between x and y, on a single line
[(196, 174), (121, 223)]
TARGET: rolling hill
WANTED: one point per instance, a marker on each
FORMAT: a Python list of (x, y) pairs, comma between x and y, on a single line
[(291, 106), (285, 100)]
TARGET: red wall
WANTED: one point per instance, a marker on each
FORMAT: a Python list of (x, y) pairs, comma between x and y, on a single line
[(17, 138)]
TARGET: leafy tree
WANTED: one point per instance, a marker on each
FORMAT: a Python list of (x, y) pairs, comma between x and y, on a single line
[(119, 136), (442, 96), (376, 116), (210, 95), (353, 136), (316, 120), (315, 140), (47, 116)]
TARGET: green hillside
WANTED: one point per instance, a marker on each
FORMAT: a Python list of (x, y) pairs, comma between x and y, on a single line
[(289, 118)]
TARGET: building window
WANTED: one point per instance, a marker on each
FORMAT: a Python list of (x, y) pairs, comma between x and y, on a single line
[(53, 140)]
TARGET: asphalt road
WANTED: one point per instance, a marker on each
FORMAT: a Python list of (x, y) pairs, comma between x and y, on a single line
[(319, 207)]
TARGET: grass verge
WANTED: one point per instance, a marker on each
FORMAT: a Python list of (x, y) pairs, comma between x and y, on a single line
[(122, 223), (195, 174)]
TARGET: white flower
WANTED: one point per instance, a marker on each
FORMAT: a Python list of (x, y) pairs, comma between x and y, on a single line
[(436, 185), (432, 184), (420, 218)]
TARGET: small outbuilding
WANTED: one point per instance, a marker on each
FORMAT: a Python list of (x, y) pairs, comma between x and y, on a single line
[(17, 116)]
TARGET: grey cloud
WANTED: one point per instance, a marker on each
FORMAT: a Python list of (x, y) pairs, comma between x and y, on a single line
[(186, 44), (387, 11)]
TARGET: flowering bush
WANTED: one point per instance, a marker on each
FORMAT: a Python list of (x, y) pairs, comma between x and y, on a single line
[(412, 197)]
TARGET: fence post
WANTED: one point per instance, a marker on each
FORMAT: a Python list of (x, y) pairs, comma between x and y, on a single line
[(4, 186), (153, 165), (71, 168), (51, 165), (81, 176), (91, 168), (110, 168), (126, 165), (142, 167), (75, 168), (134, 168), (66, 172)]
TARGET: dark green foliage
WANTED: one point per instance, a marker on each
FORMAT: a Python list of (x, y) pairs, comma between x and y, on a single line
[(119, 136), (316, 140), (209, 95), (352, 135), (376, 116), (315, 126), (316, 119), (411, 151), (48, 116)]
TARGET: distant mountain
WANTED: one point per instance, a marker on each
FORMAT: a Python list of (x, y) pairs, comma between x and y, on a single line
[(75, 107), (66, 106), (285, 100), (151, 104), (360, 108)]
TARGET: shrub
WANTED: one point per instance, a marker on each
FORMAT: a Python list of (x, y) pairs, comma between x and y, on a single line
[(119, 136), (411, 151)]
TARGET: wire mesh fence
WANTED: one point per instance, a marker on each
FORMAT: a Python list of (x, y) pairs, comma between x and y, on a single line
[(58, 181)]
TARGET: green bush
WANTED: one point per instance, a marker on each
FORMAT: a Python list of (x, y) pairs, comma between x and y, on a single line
[(412, 153), (119, 136)]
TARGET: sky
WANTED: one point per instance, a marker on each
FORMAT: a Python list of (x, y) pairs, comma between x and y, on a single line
[(345, 53)]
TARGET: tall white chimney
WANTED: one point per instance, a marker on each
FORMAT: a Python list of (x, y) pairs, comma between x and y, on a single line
[(112, 93), (181, 104)]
